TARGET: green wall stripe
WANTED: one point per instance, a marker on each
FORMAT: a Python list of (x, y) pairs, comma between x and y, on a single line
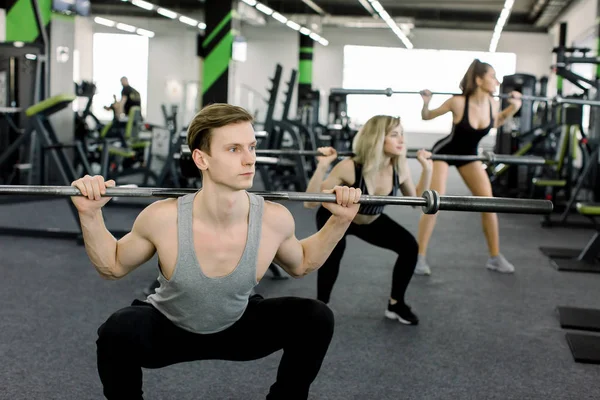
[(217, 62), (306, 49), (305, 71), (20, 20), (215, 31), (559, 82)]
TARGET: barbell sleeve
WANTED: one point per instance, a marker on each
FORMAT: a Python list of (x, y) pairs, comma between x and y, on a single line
[(431, 202)]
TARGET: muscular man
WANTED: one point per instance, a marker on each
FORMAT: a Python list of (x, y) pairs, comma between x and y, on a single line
[(213, 247)]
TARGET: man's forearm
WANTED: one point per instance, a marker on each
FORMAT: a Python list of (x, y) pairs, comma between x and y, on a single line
[(100, 244), (318, 247)]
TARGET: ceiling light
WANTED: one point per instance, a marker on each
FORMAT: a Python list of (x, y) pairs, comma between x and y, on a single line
[(502, 19), (188, 21), (376, 5), (202, 25), (143, 4), (144, 32), (251, 3), (125, 27), (293, 25), (104, 21), (264, 9), (279, 17), (305, 31), (167, 13)]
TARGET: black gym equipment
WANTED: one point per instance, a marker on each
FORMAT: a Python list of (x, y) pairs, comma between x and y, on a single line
[(431, 201), (42, 141), (579, 260)]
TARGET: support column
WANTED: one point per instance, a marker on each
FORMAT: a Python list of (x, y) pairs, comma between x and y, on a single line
[(305, 66), (216, 50), (308, 99)]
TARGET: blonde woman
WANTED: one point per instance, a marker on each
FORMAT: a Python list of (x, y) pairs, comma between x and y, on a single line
[(379, 167)]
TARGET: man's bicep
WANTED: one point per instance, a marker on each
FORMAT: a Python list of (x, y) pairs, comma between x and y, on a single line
[(290, 253), (135, 248)]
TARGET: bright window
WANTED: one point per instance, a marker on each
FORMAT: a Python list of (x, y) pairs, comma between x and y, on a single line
[(410, 70), (117, 55)]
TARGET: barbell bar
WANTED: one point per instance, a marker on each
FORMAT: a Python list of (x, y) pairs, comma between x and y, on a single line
[(389, 92), (431, 202), (487, 156)]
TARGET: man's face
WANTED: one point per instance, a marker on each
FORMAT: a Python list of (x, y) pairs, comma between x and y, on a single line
[(124, 82), (232, 156)]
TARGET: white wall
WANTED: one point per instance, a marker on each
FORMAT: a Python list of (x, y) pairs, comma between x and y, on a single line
[(2, 25), (62, 44), (83, 53), (581, 21), (275, 43)]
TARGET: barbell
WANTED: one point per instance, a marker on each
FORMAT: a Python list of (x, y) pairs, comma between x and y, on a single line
[(431, 202), (389, 92), (187, 164)]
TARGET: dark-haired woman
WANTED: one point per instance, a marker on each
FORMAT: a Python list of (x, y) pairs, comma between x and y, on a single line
[(475, 112)]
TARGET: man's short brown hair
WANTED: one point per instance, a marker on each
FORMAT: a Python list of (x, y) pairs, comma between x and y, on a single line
[(211, 117)]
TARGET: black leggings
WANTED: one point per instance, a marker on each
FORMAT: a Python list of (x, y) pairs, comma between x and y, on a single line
[(139, 336), (383, 232)]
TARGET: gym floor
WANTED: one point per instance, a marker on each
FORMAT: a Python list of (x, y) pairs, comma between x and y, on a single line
[(482, 335)]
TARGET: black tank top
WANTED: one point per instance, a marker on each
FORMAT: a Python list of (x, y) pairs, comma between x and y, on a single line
[(359, 182), (464, 135)]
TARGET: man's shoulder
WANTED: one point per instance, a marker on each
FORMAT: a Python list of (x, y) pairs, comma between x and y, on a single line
[(161, 210), (278, 216)]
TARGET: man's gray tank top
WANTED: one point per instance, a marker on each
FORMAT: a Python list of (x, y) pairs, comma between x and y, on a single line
[(202, 304)]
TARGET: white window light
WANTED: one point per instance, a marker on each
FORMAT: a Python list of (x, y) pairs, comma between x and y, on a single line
[(279, 17), (264, 9), (143, 4), (293, 25), (145, 32), (167, 13), (104, 21), (251, 3), (30, 56), (187, 20)]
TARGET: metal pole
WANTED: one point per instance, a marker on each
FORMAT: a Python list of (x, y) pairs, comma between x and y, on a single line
[(431, 201), (389, 92), (46, 55), (486, 157)]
